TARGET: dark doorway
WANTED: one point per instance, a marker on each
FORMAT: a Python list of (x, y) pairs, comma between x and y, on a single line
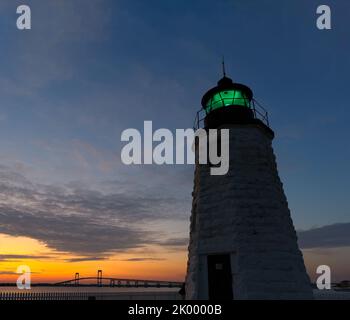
[(219, 277)]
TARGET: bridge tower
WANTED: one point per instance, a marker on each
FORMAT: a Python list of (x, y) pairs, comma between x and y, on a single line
[(243, 244), (76, 279), (99, 278)]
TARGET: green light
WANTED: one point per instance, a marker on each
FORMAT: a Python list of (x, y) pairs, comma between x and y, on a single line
[(227, 98)]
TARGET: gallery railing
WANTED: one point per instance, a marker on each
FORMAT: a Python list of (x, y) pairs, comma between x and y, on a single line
[(259, 112)]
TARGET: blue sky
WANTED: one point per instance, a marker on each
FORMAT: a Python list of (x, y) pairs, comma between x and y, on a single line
[(90, 69)]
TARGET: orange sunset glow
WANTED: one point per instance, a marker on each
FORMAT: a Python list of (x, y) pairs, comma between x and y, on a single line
[(52, 266), (146, 263)]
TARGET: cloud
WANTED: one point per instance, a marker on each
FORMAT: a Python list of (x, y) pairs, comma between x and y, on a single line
[(15, 257), (175, 242), (331, 236), (80, 220), (85, 259), (72, 233), (8, 273), (143, 259)]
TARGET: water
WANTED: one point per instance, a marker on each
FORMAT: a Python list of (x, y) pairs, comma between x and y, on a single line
[(89, 289)]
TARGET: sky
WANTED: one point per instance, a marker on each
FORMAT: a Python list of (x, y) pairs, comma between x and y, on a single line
[(87, 70)]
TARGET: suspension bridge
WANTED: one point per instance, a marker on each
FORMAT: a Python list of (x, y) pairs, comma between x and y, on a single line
[(100, 281)]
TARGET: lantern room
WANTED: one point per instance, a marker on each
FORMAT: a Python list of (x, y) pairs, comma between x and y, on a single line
[(227, 94), (226, 103)]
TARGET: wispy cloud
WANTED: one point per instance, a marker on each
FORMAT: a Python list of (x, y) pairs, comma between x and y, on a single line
[(85, 259), (143, 259), (8, 273), (331, 236), (82, 221), (175, 242), (17, 257)]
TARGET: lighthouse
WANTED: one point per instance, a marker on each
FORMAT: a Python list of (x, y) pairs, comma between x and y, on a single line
[(243, 244)]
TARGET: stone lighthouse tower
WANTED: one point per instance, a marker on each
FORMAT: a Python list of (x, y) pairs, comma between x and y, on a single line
[(243, 244)]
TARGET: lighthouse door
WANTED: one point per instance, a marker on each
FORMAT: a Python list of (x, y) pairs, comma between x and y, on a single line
[(219, 277)]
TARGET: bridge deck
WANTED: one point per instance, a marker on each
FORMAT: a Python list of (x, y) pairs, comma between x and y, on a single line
[(116, 282)]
